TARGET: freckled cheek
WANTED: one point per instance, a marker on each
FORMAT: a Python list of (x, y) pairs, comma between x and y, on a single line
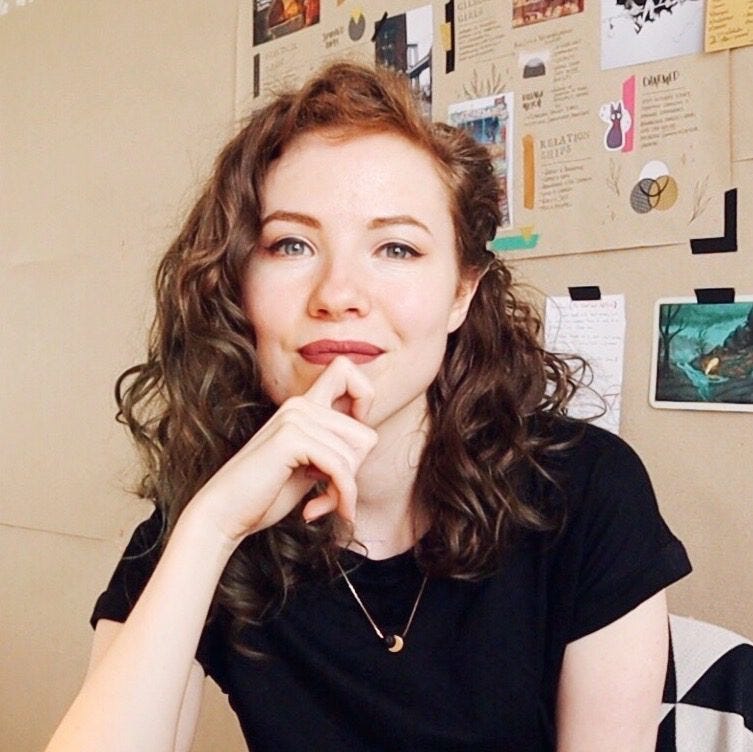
[(422, 315)]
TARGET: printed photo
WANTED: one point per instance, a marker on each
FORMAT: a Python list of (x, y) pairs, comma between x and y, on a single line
[(526, 12), (403, 42), (703, 355), (641, 32), (489, 121), (277, 18)]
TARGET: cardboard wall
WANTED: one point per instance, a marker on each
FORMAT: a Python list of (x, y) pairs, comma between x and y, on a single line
[(110, 115)]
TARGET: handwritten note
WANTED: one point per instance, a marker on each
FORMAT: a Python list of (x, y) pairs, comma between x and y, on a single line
[(595, 330), (729, 23)]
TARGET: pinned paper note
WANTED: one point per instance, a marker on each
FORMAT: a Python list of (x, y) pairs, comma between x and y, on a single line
[(729, 24), (595, 330)]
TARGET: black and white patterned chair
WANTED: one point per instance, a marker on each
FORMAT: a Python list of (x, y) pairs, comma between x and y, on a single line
[(708, 696)]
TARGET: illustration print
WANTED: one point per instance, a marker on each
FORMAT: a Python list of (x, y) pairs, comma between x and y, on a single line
[(647, 11), (642, 31), (526, 12), (403, 42), (278, 18), (489, 121), (703, 355)]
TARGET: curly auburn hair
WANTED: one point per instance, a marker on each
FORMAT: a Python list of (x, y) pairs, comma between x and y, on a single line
[(198, 397)]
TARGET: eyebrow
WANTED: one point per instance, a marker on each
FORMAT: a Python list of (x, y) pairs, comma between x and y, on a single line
[(289, 216), (398, 219), (374, 224)]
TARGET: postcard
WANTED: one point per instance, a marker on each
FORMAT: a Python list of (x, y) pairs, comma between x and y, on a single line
[(703, 355), (489, 121)]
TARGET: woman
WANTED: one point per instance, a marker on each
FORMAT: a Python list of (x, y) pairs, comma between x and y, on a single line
[(374, 528)]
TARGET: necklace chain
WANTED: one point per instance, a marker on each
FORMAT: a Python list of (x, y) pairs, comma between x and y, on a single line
[(394, 643)]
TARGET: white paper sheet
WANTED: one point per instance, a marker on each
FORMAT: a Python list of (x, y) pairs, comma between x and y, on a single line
[(595, 330)]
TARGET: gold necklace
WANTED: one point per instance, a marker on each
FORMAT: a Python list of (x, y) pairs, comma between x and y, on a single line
[(393, 642)]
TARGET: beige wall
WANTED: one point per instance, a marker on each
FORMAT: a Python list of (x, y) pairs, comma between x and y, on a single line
[(109, 115)]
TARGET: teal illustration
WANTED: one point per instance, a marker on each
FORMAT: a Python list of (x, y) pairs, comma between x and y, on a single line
[(705, 353)]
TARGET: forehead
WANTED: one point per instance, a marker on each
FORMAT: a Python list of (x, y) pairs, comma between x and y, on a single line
[(382, 171)]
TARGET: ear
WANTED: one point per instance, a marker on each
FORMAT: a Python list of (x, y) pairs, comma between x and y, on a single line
[(466, 290)]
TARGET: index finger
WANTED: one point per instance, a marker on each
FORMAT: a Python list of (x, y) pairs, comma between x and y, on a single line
[(342, 378)]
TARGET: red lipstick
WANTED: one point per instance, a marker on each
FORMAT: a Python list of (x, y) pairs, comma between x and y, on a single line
[(324, 351)]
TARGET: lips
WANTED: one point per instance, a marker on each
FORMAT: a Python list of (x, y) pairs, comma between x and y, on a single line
[(324, 351)]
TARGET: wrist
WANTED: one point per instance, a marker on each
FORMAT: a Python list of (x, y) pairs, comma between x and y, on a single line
[(200, 527)]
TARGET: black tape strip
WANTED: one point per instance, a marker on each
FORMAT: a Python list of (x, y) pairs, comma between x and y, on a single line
[(256, 75), (586, 292), (378, 26), (727, 242), (449, 17), (715, 295)]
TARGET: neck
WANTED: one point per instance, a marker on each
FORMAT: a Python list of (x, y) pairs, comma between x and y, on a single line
[(387, 520)]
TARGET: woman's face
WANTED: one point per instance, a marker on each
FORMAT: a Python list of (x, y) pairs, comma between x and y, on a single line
[(356, 257)]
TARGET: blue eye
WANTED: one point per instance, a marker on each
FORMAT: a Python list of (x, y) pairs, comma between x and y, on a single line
[(291, 247), (399, 251)]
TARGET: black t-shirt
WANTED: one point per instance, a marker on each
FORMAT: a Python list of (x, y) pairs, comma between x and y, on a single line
[(481, 662)]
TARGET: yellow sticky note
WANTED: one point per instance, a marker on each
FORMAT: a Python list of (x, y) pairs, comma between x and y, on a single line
[(729, 24), (445, 35)]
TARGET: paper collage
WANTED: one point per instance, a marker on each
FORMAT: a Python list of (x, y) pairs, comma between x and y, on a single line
[(602, 115)]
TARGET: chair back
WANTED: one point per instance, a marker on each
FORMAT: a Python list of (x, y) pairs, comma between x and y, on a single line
[(708, 695)]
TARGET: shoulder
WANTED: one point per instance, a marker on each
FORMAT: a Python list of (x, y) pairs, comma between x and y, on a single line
[(614, 549), (603, 490), (581, 460), (586, 441)]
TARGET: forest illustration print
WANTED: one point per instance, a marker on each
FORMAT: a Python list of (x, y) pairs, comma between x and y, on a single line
[(703, 355)]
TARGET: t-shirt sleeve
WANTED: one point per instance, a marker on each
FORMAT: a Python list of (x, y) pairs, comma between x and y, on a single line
[(132, 572), (624, 550), (129, 580)]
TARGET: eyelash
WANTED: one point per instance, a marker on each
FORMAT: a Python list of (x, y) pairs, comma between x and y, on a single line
[(409, 252), (278, 248)]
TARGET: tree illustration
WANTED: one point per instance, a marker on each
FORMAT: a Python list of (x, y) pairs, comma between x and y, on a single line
[(669, 328), (701, 341)]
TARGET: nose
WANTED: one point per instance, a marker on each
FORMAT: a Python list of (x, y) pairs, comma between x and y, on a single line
[(339, 289)]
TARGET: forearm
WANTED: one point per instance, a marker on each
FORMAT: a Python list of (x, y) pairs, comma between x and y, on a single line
[(131, 700)]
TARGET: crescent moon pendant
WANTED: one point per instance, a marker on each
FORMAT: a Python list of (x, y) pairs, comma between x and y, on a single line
[(398, 646)]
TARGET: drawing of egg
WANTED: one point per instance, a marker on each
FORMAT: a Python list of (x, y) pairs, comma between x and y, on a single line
[(653, 170)]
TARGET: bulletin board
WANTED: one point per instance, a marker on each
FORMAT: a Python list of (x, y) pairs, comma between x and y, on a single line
[(609, 130)]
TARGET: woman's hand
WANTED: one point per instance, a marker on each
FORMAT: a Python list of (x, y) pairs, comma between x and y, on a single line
[(308, 439)]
